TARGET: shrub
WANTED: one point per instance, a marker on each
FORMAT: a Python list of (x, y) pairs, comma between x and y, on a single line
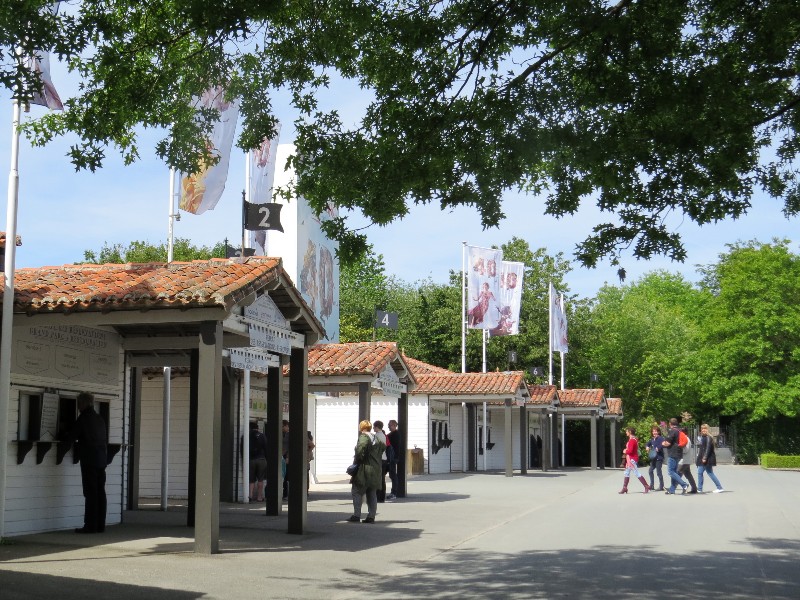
[(775, 461)]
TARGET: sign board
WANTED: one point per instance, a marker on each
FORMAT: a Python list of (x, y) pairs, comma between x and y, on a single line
[(72, 353), (264, 310), (389, 382), (438, 410), (385, 319), (49, 423), (271, 338), (253, 360)]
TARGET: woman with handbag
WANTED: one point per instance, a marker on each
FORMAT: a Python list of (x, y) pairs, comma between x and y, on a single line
[(367, 480), (655, 451), (631, 456), (706, 460)]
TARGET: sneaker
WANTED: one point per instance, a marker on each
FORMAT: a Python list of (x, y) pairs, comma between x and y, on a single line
[(354, 519), (391, 497), (369, 520), (719, 491), (684, 488)]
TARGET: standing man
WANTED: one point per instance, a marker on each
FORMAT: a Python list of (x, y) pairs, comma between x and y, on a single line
[(392, 453), (258, 462), (285, 451), (89, 432), (675, 453)]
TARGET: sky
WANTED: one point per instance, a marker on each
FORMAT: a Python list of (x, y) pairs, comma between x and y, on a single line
[(62, 213)]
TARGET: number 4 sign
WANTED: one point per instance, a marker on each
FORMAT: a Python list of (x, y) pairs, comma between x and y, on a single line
[(385, 319), (258, 217)]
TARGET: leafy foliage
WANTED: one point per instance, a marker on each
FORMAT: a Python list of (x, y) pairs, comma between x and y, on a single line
[(144, 252), (645, 108)]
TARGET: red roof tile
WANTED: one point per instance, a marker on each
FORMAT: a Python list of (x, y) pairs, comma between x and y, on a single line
[(361, 358), (417, 367), (542, 394), (614, 406), (580, 398), (465, 384), (215, 282)]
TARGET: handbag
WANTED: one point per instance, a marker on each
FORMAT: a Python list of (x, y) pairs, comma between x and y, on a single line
[(352, 469), (652, 454)]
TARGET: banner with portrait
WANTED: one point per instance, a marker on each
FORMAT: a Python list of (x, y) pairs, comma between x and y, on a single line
[(483, 287), (510, 298)]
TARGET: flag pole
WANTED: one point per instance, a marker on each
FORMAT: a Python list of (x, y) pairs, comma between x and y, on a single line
[(463, 308), (563, 307), (246, 375), (550, 330), (8, 303), (166, 410)]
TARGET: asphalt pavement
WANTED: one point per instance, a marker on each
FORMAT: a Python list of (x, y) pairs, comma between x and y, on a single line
[(560, 534)]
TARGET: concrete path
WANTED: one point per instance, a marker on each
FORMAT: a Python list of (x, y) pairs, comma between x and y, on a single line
[(562, 534)]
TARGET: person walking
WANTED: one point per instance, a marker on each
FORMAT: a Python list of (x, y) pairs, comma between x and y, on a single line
[(674, 454), (656, 454), (367, 479), (631, 456), (685, 463), (393, 454), (706, 459), (377, 427), (258, 462)]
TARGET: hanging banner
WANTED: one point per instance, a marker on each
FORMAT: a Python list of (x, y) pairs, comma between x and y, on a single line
[(558, 315), (252, 360), (40, 64), (202, 190), (261, 217), (262, 179), (483, 287), (511, 274)]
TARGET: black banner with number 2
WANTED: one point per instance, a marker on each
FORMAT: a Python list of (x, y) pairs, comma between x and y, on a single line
[(258, 217)]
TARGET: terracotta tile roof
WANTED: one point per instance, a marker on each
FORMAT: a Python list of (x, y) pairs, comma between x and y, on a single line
[(465, 384), (84, 288), (542, 394), (417, 367), (614, 406), (361, 358), (580, 398)]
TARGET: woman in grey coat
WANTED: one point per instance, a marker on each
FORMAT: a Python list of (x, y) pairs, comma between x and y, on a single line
[(367, 480)]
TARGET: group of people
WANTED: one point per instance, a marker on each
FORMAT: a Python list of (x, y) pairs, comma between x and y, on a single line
[(376, 454), (678, 449), (258, 460)]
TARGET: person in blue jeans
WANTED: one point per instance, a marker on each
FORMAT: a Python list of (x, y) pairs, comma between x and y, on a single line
[(656, 452), (706, 459), (674, 453)]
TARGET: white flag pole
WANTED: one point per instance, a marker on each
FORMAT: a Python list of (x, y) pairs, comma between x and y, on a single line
[(246, 377), (167, 404), (550, 329), (463, 308), (484, 333), (8, 303), (563, 308)]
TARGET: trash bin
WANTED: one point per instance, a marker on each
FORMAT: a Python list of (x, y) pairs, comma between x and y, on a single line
[(415, 461)]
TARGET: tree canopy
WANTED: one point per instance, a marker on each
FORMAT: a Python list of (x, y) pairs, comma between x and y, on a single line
[(647, 109)]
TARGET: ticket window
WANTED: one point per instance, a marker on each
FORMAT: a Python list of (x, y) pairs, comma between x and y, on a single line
[(30, 416)]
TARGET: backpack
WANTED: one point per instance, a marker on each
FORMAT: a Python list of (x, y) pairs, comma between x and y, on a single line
[(683, 439)]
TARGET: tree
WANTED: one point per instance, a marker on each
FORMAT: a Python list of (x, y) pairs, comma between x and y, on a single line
[(362, 290), (642, 334), (144, 252), (749, 361), (644, 108)]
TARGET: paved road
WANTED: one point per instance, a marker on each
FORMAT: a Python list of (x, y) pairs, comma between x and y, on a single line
[(564, 534)]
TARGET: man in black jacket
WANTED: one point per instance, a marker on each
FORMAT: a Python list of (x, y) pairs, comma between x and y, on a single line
[(89, 432)]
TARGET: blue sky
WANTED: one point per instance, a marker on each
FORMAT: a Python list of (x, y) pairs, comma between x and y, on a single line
[(63, 212)]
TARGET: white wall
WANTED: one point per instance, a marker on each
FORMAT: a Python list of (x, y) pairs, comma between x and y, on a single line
[(458, 436), (49, 496), (151, 426), (336, 422)]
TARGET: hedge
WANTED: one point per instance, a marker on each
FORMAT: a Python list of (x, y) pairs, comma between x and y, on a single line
[(775, 461)]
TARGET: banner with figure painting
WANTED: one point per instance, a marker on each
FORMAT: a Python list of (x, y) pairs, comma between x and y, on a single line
[(483, 287), (202, 190), (262, 176), (510, 298)]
